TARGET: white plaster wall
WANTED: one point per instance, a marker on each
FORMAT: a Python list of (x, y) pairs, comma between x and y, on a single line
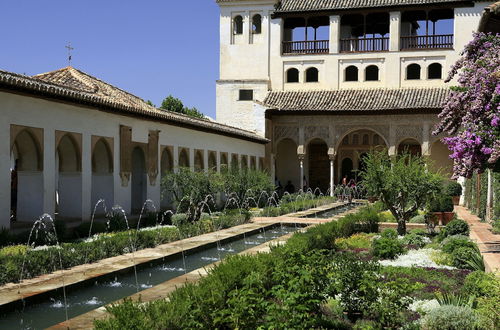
[(242, 61), (70, 195), (29, 196), (51, 116), (102, 188)]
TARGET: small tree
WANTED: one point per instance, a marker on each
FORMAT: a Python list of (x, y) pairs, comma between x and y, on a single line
[(174, 104), (192, 191), (402, 183), (245, 184)]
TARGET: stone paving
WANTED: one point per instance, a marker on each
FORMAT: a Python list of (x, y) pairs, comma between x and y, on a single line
[(480, 232)]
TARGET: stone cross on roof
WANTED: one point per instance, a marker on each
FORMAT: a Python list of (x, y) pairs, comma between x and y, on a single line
[(69, 48)]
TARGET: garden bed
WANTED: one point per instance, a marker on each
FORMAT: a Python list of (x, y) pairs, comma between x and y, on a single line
[(328, 278)]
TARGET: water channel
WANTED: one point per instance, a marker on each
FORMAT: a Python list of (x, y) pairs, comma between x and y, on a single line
[(106, 289)]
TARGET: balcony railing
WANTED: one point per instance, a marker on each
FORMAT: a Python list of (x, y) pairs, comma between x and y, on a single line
[(440, 41), (358, 45), (306, 47)]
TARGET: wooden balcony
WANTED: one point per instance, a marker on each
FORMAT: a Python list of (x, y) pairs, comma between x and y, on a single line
[(306, 47), (439, 41), (362, 45)]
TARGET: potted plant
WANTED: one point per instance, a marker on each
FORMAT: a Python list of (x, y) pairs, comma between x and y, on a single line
[(454, 189), (446, 203), (435, 214)]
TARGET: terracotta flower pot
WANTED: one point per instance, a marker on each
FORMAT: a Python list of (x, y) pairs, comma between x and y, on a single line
[(437, 218), (447, 217), (456, 200)]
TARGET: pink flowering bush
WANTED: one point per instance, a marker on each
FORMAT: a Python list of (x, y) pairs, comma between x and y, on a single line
[(471, 114)]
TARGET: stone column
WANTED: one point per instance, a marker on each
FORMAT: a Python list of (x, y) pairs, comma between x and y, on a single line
[(86, 176), (301, 164), (394, 30), (334, 34), (489, 197), (392, 141), (49, 171), (331, 156), (5, 174), (425, 140), (331, 177)]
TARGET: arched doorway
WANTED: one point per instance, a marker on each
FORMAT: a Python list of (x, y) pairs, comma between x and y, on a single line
[(244, 162), (361, 166), (166, 166), (287, 163), (234, 161), (352, 148), (410, 145), (69, 179), (440, 160), (318, 165), (212, 161), (347, 169), (139, 180), (27, 177), (102, 175), (183, 158), (224, 162), (198, 161)]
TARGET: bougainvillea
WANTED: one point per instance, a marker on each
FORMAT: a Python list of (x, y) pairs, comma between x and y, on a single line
[(471, 114)]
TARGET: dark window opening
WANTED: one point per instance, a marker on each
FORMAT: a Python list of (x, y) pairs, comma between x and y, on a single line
[(351, 73), (257, 24), (238, 25), (292, 75), (422, 29), (364, 33), (413, 72), (312, 75), (246, 95), (371, 73), (434, 71)]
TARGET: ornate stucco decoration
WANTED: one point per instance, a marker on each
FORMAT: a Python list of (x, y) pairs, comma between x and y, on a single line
[(283, 132), (320, 132)]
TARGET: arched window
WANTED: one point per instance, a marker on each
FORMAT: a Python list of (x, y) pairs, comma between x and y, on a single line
[(238, 25), (351, 73), (292, 75), (312, 75), (355, 139), (256, 24), (413, 72), (345, 141), (434, 71), (366, 140), (371, 73)]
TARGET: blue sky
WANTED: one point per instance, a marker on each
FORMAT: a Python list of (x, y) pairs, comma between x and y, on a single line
[(151, 48)]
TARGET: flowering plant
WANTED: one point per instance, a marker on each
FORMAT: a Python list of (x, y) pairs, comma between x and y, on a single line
[(472, 110)]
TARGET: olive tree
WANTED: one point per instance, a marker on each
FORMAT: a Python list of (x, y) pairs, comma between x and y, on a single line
[(401, 182)]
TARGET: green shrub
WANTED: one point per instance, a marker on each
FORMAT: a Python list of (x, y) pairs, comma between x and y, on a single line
[(356, 241), (366, 325), (486, 288), (453, 243), (386, 216), (453, 189), (414, 239), (418, 219), (387, 248), (389, 233), (82, 231), (179, 219), (116, 221), (462, 257), (449, 318), (456, 227), (442, 203)]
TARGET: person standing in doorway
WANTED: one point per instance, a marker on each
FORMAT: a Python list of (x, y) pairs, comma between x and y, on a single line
[(13, 191)]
